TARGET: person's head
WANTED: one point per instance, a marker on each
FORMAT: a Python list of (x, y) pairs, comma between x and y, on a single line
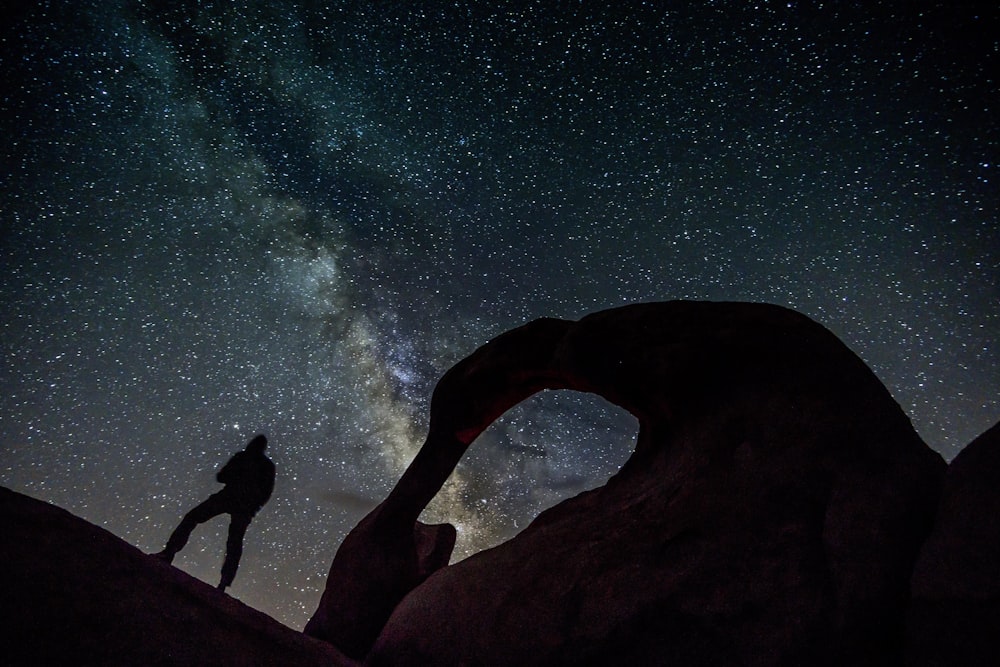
[(257, 444)]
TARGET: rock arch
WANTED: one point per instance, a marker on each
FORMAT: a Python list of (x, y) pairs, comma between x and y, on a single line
[(749, 397)]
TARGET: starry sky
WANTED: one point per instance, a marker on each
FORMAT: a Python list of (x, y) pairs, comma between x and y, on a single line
[(219, 219)]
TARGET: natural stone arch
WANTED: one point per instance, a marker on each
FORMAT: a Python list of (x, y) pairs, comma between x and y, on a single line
[(742, 384)]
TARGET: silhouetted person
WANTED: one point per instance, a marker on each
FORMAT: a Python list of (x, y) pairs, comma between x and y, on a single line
[(249, 480)]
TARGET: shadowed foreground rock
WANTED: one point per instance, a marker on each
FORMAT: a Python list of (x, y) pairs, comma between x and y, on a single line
[(73, 594), (955, 614), (770, 514)]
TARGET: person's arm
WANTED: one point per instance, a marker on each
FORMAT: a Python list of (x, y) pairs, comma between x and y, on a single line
[(225, 474)]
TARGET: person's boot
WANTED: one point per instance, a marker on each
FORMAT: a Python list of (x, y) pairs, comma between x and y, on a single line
[(166, 556)]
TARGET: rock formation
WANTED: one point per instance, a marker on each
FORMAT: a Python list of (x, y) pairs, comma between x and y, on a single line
[(778, 510), (770, 514), (955, 614), (74, 594)]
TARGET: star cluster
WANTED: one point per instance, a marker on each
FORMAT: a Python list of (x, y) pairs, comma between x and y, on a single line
[(219, 219)]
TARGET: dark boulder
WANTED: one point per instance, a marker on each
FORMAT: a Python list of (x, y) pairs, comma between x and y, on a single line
[(955, 614)]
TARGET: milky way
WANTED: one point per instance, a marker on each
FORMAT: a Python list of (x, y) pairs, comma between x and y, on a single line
[(220, 219)]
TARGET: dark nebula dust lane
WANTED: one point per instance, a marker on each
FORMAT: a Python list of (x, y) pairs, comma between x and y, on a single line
[(293, 217)]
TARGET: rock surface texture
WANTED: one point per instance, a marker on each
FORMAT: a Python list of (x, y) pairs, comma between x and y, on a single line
[(955, 614), (771, 513), (73, 594)]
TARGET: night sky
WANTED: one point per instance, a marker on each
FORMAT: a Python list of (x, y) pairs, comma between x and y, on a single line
[(219, 219)]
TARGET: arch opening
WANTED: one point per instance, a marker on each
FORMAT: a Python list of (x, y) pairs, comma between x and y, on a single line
[(551, 446)]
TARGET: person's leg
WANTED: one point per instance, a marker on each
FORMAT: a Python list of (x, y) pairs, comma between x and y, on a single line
[(234, 548), (207, 510)]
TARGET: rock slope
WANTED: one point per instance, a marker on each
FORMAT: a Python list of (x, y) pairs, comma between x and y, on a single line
[(74, 594)]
